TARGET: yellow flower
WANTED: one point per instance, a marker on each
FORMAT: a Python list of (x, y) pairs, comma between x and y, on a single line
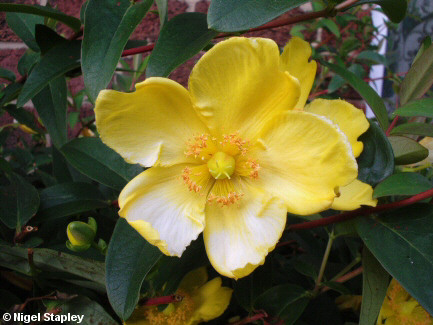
[(399, 308), (230, 155), (352, 121), (202, 301)]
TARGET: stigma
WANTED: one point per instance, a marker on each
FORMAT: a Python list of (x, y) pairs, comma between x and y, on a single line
[(221, 165)]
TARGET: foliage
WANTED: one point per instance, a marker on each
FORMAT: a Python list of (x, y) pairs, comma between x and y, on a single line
[(60, 173)]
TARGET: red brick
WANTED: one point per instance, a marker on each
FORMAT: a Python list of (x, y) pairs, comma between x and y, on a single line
[(7, 35)]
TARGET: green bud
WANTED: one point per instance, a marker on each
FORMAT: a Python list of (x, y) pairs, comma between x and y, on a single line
[(77, 248), (80, 233), (102, 245)]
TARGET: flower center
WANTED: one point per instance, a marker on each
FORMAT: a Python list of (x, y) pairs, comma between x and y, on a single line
[(221, 165)]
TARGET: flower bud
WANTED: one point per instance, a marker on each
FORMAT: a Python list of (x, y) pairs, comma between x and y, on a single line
[(81, 234)]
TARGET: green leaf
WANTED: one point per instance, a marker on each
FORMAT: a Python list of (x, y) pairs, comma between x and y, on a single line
[(331, 26), (102, 50), (372, 56), (407, 151), (424, 46), (10, 93), (420, 107), (18, 202), (162, 11), (27, 62), (394, 9), (402, 184), (23, 117), (419, 78), (72, 22), (46, 38), (181, 38), (51, 104), (7, 74), (376, 161), (240, 15), (415, 128), (286, 301), (97, 161), (337, 82), (375, 282), (56, 62), (129, 259), (16, 258), (91, 311), (67, 199), (371, 97), (24, 26), (402, 242)]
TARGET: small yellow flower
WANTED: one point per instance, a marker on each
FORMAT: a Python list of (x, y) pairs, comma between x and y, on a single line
[(231, 155), (352, 121), (202, 301), (399, 308)]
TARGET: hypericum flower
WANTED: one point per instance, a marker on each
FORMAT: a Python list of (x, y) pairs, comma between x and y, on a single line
[(351, 120), (201, 301), (399, 308), (230, 155)]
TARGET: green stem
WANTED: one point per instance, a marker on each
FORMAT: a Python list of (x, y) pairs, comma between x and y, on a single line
[(416, 169), (324, 262)]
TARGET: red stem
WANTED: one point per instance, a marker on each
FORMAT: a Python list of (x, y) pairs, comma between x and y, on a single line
[(393, 123), (361, 212), (345, 278), (162, 300), (251, 319)]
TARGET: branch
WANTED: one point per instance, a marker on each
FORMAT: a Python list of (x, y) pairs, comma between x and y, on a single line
[(344, 278), (361, 212)]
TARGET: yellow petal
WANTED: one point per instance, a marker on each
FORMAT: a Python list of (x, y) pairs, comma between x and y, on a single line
[(237, 86), (350, 120), (160, 206), (304, 159), (354, 195), (194, 279), (151, 125), (294, 59), (239, 236), (211, 300)]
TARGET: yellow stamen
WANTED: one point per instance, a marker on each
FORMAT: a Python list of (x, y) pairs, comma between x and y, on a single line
[(221, 165)]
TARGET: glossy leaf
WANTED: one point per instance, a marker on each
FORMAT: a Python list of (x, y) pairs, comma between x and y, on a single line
[(67, 199), (402, 184), (10, 93), (419, 79), (181, 38), (420, 107), (407, 151), (23, 117), (102, 50), (24, 26), (240, 15), (376, 161), (7, 74), (375, 282), (394, 9), (97, 161), (18, 202), (56, 62), (129, 259), (162, 11), (286, 301), (46, 38), (402, 243), (72, 22), (370, 96), (27, 62), (93, 312), (415, 128), (51, 104)]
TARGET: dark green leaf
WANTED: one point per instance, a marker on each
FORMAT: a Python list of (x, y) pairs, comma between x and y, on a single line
[(371, 97), (23, 117), (46, 38), (7, 74), (97, 161), (24, 26), (338, 287), (375, 282), (51, 104), (419, 78), (93, 312), (372, 56), (394, 9), (27, 62), (18, 202), (406, 150), (330, 25), (181, 38), (67, 199), (239, 15), (56, 62), (102, 50), (72, 22), (402, 242), (162, 10), (10, 93), (286, 301), (376, 161), (129, 259), (420, 107), (415, 128), (337, 82), (402, 184), (60, 167)]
